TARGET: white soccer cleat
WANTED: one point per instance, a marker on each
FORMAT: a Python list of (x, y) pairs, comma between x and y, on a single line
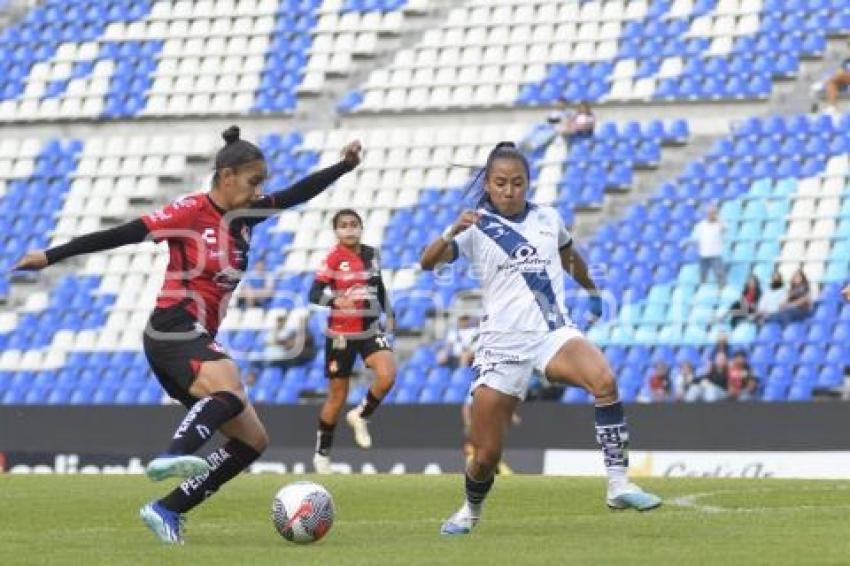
[(322, 464), (167, 525), (461, 523), (627, 495), (174, 465), (359, 425)]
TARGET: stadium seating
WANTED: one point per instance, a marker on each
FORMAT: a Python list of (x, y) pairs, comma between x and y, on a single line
[(491, 53), (781, 180), (782, 183), (121, 58)]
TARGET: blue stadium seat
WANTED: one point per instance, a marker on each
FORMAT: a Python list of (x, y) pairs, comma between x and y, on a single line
[(830, 377), (455, 394), (574, 395)]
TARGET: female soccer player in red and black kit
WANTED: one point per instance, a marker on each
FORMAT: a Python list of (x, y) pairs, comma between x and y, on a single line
[(208, 237), (352, 273)]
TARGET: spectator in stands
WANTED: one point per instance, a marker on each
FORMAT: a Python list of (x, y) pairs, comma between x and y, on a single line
[(459, 347), (743, 384), (798, 301), (708, 234), (838, 82), (544, 134), (290, 344), (772, 299), (713, 384), (722, 345), (257, 287), (658, 384), (577, 125), (746, 307), (682, 381)]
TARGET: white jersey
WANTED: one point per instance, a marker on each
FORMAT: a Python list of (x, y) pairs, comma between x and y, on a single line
[(518, 261)]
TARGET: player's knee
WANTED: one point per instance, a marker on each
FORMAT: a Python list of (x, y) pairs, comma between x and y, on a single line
[(603, 385), (387, 377), (487, 457), (239, 391)]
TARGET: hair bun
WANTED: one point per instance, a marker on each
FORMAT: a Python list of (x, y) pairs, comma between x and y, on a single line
[(502, 144), (231, 134)]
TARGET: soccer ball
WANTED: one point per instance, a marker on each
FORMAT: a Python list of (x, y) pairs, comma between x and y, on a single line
[(303, 512)]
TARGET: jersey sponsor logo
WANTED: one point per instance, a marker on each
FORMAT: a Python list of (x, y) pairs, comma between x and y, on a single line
[(547, 233), (523, 258), (523, 251), (344, 266)]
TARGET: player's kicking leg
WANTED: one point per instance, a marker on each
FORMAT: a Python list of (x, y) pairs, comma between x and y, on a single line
[(222, 406), (219, 399), (199, 424), (247, 441), (383, 364), (491, 412), (580, 363)]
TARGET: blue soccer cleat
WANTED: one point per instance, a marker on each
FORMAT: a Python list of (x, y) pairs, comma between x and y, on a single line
[(461, 523), (176, 465), (630, 496), (166, 525)]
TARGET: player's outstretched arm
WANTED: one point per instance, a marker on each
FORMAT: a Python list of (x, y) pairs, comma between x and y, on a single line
[(313, 184), (443, 249), (132, 232)]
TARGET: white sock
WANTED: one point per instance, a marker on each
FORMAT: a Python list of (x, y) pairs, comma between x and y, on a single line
[(617, 475), (472, 509)]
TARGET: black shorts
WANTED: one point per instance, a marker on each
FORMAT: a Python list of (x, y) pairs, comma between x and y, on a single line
[(175, 348), (341, 352)]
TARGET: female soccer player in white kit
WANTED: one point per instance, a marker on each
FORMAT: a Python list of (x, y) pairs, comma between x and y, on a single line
[(521, 251)]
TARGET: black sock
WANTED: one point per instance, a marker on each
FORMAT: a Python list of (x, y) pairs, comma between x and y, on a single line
[(203, 420), (612, 434), (476, 490), (369, 405), (324, 437), (225, 464)]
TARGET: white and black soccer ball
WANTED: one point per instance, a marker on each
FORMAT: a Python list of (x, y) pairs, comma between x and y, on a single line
[(303, 512)]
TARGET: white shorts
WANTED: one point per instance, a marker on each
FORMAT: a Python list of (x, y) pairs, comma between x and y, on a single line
[(506, 361)]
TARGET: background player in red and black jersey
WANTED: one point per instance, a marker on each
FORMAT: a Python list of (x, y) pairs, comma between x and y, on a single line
[(350, 283), (208, 236)]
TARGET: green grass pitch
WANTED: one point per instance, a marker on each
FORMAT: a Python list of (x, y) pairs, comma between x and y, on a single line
[(395, 520)]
